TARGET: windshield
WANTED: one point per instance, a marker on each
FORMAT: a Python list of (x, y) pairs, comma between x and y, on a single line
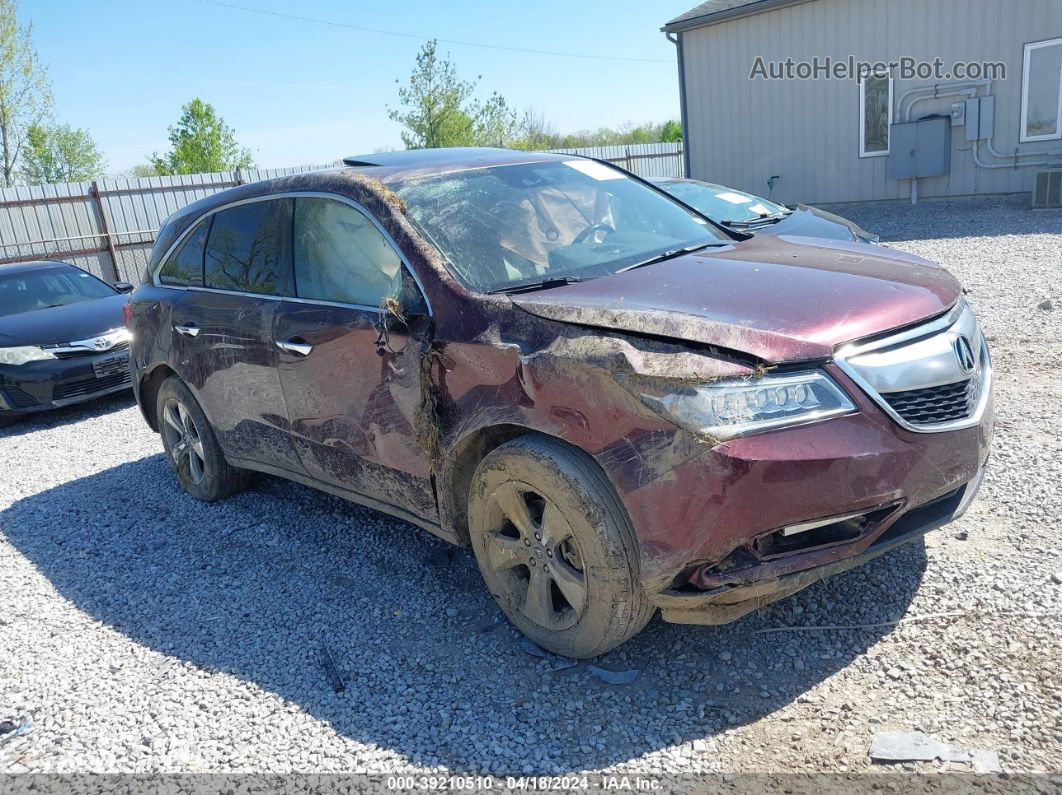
[(507, 226), (30, 290), (723, 205)]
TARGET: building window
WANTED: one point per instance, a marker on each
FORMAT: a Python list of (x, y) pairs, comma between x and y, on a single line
[(875, 115), (1041, 91)]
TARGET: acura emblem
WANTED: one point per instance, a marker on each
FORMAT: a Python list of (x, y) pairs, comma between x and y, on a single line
[(964, 354)]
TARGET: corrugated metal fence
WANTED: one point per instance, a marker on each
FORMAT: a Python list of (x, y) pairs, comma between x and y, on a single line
[(108, 227), (645, 160)]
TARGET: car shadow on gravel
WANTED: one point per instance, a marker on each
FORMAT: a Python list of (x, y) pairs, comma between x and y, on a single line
[(253, 588), (28, 423)]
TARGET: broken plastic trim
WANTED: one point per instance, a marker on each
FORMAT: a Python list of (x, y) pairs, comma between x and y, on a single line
[(744, 564), (818, 534)]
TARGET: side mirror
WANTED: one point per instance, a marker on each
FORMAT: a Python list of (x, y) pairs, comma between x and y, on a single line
[(408, 299), (123, 287), (401, 312)]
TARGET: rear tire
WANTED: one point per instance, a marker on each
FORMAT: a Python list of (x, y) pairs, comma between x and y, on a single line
[(556, 547), (192, 448)]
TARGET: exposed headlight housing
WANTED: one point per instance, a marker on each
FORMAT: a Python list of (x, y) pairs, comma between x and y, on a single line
[(23, 354), (727, 409)]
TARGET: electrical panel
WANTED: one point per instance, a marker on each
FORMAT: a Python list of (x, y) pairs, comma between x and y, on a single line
[(920, 148), (980, 118)]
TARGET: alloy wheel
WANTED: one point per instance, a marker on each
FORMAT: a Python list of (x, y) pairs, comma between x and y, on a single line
[(183, 439), (533, 550)]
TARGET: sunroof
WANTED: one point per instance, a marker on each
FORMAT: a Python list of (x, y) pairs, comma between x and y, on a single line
[(413, 157)]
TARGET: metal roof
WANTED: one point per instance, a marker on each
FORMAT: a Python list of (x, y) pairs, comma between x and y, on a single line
[(715, 11)]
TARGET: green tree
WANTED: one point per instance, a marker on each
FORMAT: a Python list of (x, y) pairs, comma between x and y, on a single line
[(60, 154), (202, 142), (536, 133), (437, 108), (143, 170), (25, 91), (671, 132), (493, 122)]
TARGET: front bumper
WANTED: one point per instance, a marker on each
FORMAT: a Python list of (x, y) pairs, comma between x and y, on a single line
[(729, 602), (53, 383), (712, 530)]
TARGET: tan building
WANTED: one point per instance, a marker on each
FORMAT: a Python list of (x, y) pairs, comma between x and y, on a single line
[(765, 94)]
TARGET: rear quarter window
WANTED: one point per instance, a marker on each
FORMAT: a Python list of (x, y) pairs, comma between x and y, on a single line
[(246, 250), (184, 268)]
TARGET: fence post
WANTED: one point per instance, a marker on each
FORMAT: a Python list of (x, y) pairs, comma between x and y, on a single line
[(106, 229)]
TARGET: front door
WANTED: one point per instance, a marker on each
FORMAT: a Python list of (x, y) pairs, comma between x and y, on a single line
[(352, 405)]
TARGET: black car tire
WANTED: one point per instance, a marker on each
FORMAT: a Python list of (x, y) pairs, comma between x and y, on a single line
[(576, 524), (203, 471)]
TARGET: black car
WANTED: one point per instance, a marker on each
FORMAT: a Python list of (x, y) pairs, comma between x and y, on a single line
[(748, 213), (62, 337)]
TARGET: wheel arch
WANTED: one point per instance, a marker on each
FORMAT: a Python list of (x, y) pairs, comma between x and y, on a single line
[(455, 480), (464, 456), (148, 392)]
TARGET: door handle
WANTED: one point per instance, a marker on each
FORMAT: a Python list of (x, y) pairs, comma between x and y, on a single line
[(188, 329), (295, 345)]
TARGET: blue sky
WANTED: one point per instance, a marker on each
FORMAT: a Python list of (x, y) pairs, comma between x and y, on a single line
[(298, 92)]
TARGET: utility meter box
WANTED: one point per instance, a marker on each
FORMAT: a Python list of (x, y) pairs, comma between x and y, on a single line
[(980, 118), (920, 148)]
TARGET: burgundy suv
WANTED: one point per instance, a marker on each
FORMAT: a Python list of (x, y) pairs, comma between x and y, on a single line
[(621, 406)]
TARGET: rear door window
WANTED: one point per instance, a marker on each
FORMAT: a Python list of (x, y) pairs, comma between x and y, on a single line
[(341, 256), (247, 249), (184, 268)]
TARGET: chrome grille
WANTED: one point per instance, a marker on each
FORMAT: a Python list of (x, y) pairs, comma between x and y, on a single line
[(115, 340), (70, 353), (929, 378), (934, 404)]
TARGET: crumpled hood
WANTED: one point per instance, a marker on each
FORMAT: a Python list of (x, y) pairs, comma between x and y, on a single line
[(779, 300), (58, 324)]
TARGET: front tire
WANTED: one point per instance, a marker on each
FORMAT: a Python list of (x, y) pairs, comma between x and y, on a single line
[(191, 446), (556, 548)]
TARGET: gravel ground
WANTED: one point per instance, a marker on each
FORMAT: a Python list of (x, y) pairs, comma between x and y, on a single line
[(143, 631)]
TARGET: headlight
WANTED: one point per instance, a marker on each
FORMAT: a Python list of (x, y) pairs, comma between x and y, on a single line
[(727, 409), (23, 354)]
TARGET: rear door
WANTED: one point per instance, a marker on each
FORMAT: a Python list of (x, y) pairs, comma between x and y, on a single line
[(223, 327), (352, 404)]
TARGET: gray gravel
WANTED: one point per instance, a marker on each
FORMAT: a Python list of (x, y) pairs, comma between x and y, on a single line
[(142, 631)]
